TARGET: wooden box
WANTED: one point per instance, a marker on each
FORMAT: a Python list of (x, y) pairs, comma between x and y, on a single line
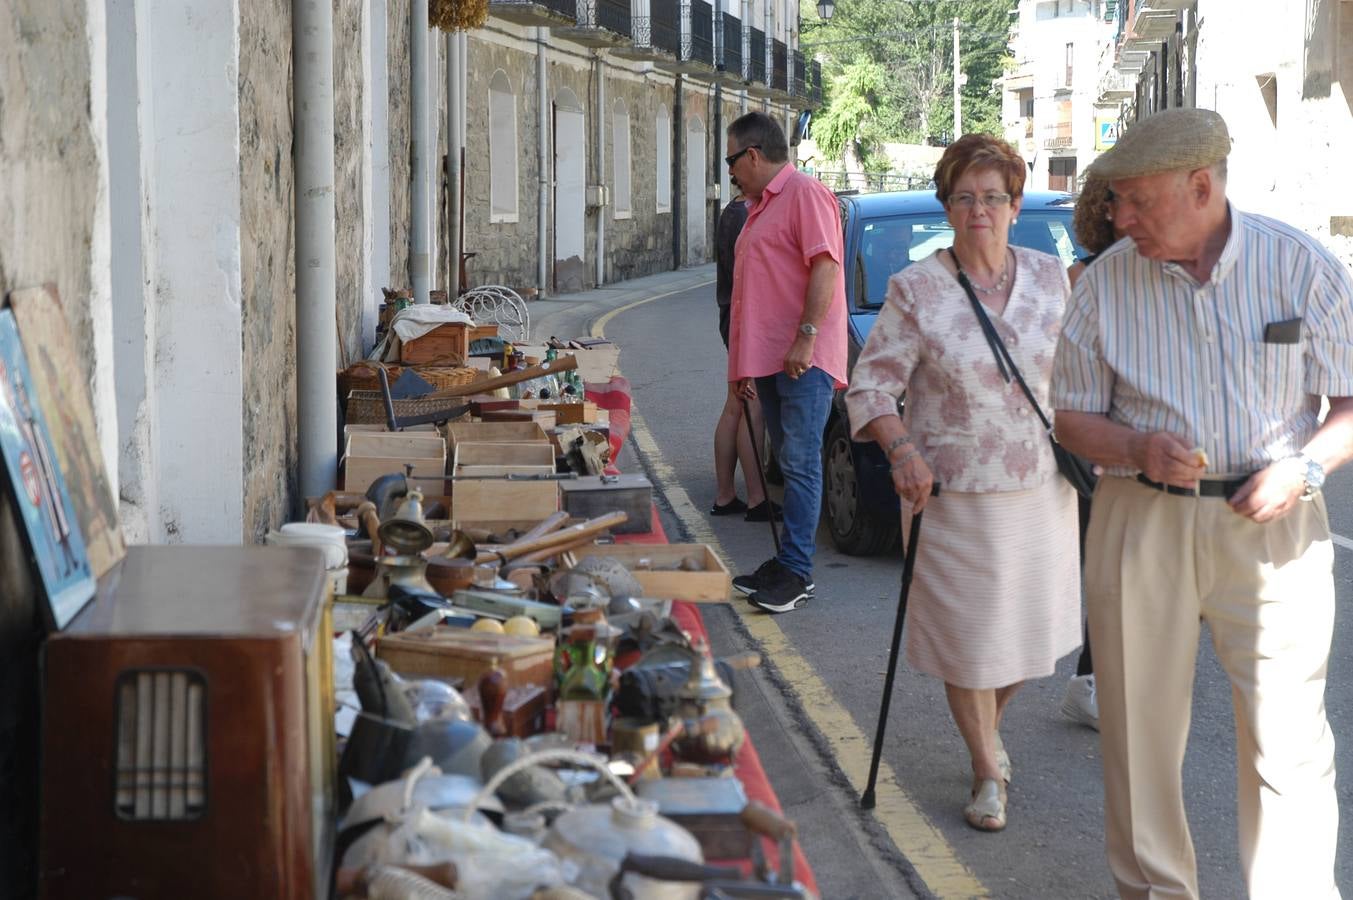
[(369, 455), (508, 458), (580, 413), (493, 432), (595, 495), (448, 343), (545, 418), (654, 567), (460, 653), (486, 502)]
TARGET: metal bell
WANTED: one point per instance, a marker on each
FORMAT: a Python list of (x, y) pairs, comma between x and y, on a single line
[(405, 532)]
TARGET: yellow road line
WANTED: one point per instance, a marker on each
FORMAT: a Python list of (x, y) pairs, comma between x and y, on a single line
[(922, 843)]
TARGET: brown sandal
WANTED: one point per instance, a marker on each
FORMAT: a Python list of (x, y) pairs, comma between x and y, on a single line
[(986, 812)]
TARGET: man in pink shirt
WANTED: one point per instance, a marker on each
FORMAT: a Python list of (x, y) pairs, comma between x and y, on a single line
[(787, 336)]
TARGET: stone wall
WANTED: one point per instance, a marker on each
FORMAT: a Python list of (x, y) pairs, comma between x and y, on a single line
[(505, 252), (401, 138), (349, 142), (642, 243), (268, 271), (49, 178)]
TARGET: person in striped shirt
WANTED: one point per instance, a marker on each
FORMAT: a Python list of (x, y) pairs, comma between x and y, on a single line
[(1191, 366)]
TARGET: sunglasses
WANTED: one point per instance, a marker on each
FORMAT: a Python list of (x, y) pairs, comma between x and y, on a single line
[(731, 160)]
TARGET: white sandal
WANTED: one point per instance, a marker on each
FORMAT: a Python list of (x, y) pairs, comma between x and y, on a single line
[(1003, 759), (986, 812)]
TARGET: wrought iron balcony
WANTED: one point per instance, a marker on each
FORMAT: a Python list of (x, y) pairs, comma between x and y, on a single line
[(815, 81), (728, 50), (799, 88), (701, 50), (666, 25), (779, 67), (755, 72), (1116, 85), (545, 13), (600, 23)]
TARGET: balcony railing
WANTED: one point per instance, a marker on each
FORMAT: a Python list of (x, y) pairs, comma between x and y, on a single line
[(756, 56), (800, 86), (779, 70), (536, 12), (665, 17), (701, 49), (614, 15), (728, 55), (815, 82)]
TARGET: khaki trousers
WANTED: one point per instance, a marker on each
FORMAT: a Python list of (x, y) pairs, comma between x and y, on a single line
[(1156, 565)]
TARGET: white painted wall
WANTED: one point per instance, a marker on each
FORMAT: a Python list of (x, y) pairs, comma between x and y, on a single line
[(570, 161), (695, 209), (190, 150)]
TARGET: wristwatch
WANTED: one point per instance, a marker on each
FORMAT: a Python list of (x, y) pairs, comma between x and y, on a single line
[(808, 328), (1314, 474)]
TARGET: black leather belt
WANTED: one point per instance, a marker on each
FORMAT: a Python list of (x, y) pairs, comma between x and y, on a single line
[(1208, 487)]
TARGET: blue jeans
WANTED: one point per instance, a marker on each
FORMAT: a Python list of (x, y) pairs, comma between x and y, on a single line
[(796, 413)]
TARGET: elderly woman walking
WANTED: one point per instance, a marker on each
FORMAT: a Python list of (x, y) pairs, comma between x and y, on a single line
[(995, 599)]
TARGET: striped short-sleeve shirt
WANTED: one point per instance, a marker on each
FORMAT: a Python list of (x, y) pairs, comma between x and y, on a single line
[(1145, 344)]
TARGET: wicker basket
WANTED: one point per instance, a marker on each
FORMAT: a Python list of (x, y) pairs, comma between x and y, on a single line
[(443, 377), (365, 376), (368, 408)]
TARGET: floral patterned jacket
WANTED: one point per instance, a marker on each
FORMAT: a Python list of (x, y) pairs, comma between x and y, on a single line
[(976, 432)]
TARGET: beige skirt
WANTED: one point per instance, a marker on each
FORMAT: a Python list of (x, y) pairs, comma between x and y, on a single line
[(996, 595)]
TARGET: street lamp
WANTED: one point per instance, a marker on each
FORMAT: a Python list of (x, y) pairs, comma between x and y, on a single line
[(825, 8)]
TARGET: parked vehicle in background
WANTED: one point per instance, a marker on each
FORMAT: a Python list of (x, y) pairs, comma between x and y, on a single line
[(884, 233)]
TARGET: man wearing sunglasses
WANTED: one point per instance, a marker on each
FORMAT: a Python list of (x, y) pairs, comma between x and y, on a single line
[(787, 337)]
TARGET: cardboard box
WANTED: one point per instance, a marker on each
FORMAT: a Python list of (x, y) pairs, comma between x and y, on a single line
[(710, 582), (369, 455), (460, 653)]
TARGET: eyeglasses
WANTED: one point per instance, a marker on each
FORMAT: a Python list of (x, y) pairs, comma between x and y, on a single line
[(991, 200), (732, 160)]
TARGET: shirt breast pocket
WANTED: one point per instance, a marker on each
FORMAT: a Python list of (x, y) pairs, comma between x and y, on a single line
[(1274, 377)]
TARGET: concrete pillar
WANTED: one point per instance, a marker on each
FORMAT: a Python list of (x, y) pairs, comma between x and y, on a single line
[(375, 164), (188, 53)]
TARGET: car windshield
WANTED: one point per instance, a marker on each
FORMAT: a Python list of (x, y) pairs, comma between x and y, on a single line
[(889, 245)]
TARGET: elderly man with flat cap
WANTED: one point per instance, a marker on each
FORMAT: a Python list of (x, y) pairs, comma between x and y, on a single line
[(1192, 362)]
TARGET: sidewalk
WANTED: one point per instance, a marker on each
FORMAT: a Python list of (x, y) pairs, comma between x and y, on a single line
[(571, 315)]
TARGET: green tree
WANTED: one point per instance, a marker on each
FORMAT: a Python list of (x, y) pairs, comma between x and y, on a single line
[(911, 42), (847, 129)]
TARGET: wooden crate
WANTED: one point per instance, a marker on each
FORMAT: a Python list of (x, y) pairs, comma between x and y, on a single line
[(445, 343), (492, 433), (369, 455), (503, 458), (465, 654), (711, 582), (581, 413), (545, 418), (498, 500)]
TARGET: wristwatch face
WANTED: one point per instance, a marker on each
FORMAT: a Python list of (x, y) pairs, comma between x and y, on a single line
[(807, 328), (1315, 475)]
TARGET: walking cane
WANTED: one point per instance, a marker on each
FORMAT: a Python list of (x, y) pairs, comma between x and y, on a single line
[(761, 474), (908, 566)]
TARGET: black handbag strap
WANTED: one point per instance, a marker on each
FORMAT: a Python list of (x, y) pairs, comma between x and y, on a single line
[(1003, 359)]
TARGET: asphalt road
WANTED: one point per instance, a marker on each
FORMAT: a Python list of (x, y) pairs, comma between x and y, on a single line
[(1053, 845)]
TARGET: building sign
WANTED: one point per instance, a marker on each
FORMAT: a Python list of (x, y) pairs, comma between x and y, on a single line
[(1106, 132)]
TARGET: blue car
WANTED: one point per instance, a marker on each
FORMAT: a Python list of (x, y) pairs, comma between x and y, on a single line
[(884, 233)]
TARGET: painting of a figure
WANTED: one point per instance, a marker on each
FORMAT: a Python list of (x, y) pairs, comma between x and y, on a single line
[(37, 487)]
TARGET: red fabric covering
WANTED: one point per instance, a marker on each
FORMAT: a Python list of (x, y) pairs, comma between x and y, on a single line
[(747, 766), (614, 397)]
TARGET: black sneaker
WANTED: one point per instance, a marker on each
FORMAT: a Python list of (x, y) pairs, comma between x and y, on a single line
[(786, 591), (763, 511), (747, 584)]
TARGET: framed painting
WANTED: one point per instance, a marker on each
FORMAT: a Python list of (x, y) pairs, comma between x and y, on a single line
[(33, 478), (61, 385)]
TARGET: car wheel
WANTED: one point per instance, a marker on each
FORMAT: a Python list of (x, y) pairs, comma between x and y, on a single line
[(855, 529)]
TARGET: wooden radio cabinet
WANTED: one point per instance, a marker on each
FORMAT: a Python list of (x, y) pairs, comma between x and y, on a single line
[(188, 745)]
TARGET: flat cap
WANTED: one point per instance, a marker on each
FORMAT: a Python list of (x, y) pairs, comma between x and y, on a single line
[(1170, 140)]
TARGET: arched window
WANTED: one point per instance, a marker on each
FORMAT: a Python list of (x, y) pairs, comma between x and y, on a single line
[(620, 158), (502, 149), (663, 140)]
